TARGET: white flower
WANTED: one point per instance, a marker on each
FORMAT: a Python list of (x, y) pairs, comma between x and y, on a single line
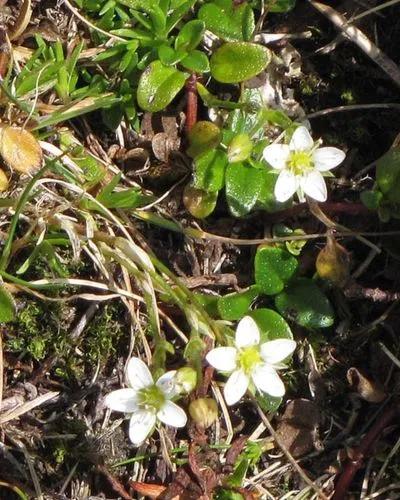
[(146, 401), (300, 164), (250, 361)]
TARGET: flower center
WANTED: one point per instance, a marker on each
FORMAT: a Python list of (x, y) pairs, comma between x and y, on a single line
[(151, 397), (249, 358), (300, 162)]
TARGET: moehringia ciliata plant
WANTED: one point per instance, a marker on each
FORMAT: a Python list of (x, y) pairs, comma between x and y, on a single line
[(301, 165), (250, 361)]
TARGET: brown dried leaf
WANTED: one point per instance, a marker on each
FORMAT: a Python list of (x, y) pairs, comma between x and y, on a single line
[(22, 21), (148, 490), (298, 427), (20, 149), (3, 181), (367, 389)]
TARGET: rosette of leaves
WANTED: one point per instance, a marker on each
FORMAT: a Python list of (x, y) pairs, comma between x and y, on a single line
[(229, 159), (298, 299)]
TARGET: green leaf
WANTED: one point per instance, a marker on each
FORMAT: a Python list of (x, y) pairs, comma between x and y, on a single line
[(268, 403), (168, 56), (304, 303), (280, 5), (240, 148), (209, 171), (234, 306), (198, 202), (238, 61), (243, 185), (274, 267), (158, 85), (196, 61), (203, 136), (209, 302), (190, 35), (7, 306), (371, 199), (228, 21), (388, 174), (212, 101), (271, 325), (266, 199)]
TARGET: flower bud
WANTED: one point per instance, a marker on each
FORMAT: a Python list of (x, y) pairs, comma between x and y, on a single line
[(240, 148), (333, 262), (198, 202), (204, 411), (186, 379)]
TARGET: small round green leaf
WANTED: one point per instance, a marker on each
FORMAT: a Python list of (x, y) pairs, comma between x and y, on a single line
[(271, 325), (190, 35), (274, 267), (228, 21), (7, 306), (304, 303), (209, 173), (236, 305), (388, 174), (243, 185), (158, 85), (196, 61), (238, 61), (240, 148)]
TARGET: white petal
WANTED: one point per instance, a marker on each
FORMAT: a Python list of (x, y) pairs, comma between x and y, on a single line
[(223, 358), (313, 185), (301, 140), (247, 333), (167, 384), (328, 158), (286, 185), (277, 350), (172, 414), (138, 375), (122, 400), (235, 387), (277, 155), (140, 426), (267, 380)]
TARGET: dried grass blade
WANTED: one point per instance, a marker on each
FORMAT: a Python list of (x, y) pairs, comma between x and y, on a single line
[(359, 38), (26, 407), (22, 21)]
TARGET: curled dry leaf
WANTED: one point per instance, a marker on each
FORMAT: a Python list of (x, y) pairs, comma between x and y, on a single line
[(22, 21), (20, 149), (3, 181), (367, 389)]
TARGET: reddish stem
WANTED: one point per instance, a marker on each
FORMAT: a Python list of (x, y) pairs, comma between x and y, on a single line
[(352, 466), (191, 104), (330, 207)]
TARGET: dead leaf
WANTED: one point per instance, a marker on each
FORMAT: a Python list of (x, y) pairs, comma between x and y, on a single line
[(367, 389), (298, 427), (3, 181), (148, 490), (20, 149), (22, 21)]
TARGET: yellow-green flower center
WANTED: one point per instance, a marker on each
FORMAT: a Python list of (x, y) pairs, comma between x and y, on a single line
[(248, 358), (300, 162), (151, 397)]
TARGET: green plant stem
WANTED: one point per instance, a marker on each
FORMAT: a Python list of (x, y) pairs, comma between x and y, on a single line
[(14, 221)]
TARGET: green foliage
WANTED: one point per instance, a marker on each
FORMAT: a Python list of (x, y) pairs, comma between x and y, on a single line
[(158, 85), (7, 306), (236, 305), (304, 303), (385, 198), (244, 184), (202, 137), (274, 267), (236, 62), (280, 5), (210, 170), (228, 21)]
